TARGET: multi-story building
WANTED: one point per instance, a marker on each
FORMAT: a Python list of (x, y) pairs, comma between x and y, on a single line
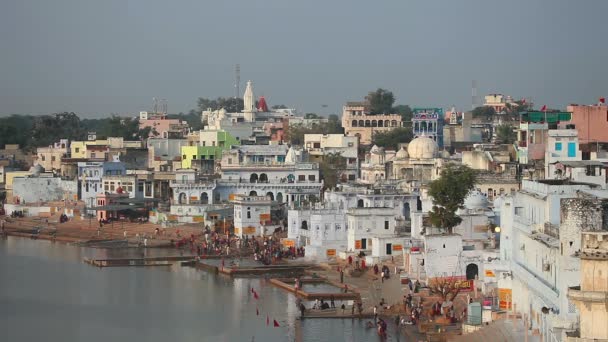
[(591, 296), (591, 122), (208, 150), (90, 175), (320, 146), (428, 122), (251, 215), (161, 126), (498, 102), (165, 154), (532, 135), (357, 121), (50, 157)]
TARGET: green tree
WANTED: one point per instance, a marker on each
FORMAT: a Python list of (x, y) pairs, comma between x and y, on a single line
[(16, 129), (483, 111), (294, 133), (331, 168), (505, 134), (405, 111), (380, 101), (449, 192), (392, 138), (230, 104), (311, 116), (48, 129)]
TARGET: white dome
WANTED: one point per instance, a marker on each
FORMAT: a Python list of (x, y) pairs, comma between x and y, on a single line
[(377, 150), (476, 200), (445, 154), (402, 154), (422, 148)]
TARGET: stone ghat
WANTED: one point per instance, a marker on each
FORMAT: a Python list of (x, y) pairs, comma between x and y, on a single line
[(137, 262), (261, 270), (284, 284)]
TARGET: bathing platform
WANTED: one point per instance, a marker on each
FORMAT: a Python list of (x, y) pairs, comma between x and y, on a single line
[(138, 262), (248, 268)]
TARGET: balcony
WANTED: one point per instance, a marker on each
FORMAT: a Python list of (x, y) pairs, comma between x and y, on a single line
[(575, 293)]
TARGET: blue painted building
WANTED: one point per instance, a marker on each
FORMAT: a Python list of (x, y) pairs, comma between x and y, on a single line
[(428, 122)]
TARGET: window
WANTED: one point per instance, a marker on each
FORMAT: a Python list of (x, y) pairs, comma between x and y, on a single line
[(229, 160), (316, 145), (571, 149), (93, 155), (386, 225), (311, 177), (558, 146), (77, 149), (351, 177), (301, 178), (350, 144), (204, 143), (248, 212), (184, 157), (194, 157), (42, 157)]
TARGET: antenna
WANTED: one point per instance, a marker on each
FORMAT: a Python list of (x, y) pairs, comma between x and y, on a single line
[(237, 79), (155, 105), (164, 106), (473, 94)]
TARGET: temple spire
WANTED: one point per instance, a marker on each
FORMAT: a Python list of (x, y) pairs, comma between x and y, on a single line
[(249, 103)]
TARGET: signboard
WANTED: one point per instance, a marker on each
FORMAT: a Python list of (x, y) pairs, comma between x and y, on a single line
[(199, 219), (330, 252), (357, 244), (397, 248), (490, 273), (249, 230), (264, 217), (288, 242), (237, 230), (193, 198), (464, 284), (504, 298), (171, 217), (231, 197)]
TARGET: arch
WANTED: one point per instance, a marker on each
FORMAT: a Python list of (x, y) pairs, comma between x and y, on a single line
[(305, 225), (354, 123), (430, 126), (263, 178), (181, 199), (490, 193), (360, 203), (423, 126), (380, 123), (253, 193), (279, 197), (394, 123), (253, 178), (472, 271), (361, 123), (374, 123), (204, 198), (387, 123), (368, 123), (271, 195)]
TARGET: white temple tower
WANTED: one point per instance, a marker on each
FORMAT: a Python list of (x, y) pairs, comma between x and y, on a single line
[(249, 103)]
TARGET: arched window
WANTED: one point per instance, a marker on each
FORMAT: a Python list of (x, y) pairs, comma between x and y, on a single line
[(304, 225), (380, 123), (204, 198), (394, 123), (360, 203), (263, 178), (279, 197), (248, 212), (270, 195), (374, 123), (182, 198), (367, 123), (253, 178), (354, 123), (253, 193), (472, 271), (361, 123), (387, 123)]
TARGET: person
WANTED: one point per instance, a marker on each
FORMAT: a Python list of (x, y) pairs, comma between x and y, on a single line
[(343, 308), (360, 307), (382, 302), (341, 276), (333, 305), (316, 305), (382, 276), (352, 309), (350, 259), (409, 301), (302, 309), (397, 320), (296, 286), (345, 288), (436, 309), (375, 313)]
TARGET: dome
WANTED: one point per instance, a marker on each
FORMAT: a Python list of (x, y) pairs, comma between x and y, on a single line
[(445, 154), (422, 147), (402, 154), (476, 200), (291, 157)]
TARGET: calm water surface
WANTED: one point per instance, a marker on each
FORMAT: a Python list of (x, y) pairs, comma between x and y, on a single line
[(48, 294)]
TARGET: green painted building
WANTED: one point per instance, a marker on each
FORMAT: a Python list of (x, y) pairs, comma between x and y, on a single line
[(211, 145)]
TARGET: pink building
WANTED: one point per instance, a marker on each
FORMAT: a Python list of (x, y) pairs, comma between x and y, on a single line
[(161, 126), (591, 122), (276, 130)]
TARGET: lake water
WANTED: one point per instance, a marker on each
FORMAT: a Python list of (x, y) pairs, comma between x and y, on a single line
[(48, 294)]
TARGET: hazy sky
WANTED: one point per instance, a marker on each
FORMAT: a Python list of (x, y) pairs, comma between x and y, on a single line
[(96, 57)]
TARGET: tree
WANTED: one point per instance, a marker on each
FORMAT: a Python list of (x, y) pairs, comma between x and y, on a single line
[(505, 134), (230, 104), (311, 116), (280, 106), (483, 111), (392, 138), (294, 133), (448, 193), (405, 111), (48, 129), (380, 101), (331, 168), (446, 287)]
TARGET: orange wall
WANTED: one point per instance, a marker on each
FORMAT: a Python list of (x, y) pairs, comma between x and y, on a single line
[(591, 122)]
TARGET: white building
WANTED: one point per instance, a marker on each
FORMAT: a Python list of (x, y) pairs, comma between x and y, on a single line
[(320, 145), (251, 215), (540, 233), (90, 176)]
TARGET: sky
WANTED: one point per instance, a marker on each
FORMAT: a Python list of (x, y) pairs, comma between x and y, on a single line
[(113, 56)]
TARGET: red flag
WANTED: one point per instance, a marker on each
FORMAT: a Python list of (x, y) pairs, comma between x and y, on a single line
[(602, 100), (523, 101), (267, 320), (255, 295), (276, 324), (252, 290), (257, 312), (544, 108)]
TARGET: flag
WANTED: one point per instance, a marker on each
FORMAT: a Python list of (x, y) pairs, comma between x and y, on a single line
[(257, 312), (252, 290), (276, 324), (523, 101), (602, 100), (544, 109), (255, 295), (267, 320)]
